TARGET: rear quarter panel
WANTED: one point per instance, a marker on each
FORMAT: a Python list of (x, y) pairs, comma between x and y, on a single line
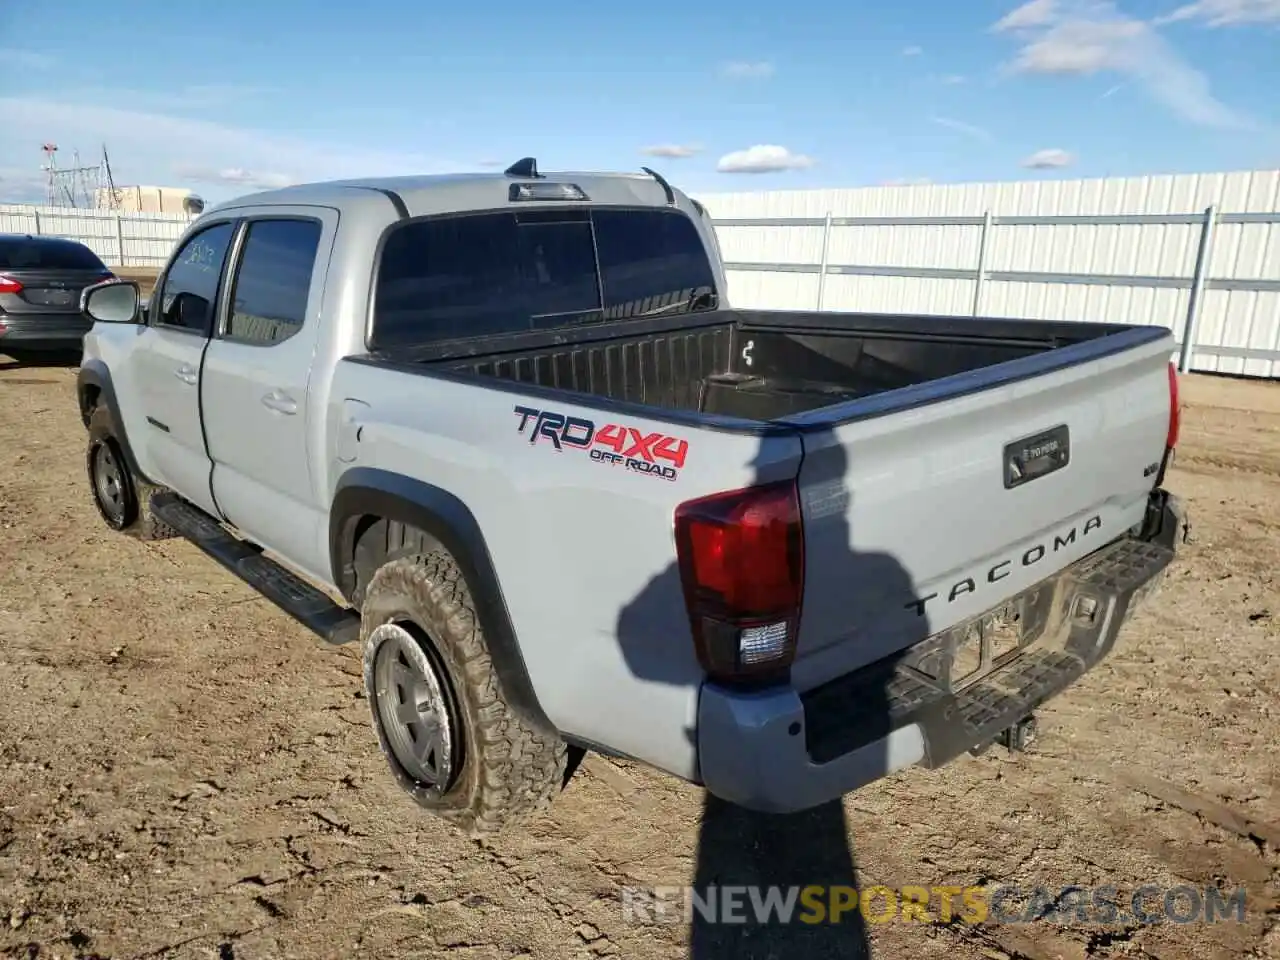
[(584, 550)]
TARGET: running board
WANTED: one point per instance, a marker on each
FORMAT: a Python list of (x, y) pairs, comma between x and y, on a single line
[(311, 607)]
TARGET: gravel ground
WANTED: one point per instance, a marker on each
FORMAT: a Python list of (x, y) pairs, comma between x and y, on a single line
[(185, 772)]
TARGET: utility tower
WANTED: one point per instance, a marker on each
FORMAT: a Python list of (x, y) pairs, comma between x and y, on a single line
[(79, 185)]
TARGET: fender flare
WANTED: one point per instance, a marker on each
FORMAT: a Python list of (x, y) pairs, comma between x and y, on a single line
[(369, 492), (95, 389)]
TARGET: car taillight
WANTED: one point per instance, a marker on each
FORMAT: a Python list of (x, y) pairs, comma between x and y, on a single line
[(741, 557), (1175, 411), (9, 285)]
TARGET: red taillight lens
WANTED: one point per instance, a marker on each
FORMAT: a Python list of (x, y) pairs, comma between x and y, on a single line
[(741, 558), (9, 285), (1175, 409)]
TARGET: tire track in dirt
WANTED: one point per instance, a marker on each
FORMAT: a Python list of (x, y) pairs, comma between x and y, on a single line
[(1225, 464)]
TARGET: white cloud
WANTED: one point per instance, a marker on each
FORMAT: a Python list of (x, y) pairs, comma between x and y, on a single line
[(1035, 13), (238, 176), (953, 79), (25, 59), (762, 158), (968, 129), (671, 151), (1226, 13), (1084, 37), (154, 147), (1048, 159), (912, 51), (1112, 91), (747, 70)]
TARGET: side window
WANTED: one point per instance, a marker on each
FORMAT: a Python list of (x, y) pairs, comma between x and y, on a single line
[(190, 287), (649, 259), (273, 281)]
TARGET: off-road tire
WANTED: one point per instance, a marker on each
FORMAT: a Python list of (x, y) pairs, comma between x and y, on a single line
[(136, 520), (507, 768)]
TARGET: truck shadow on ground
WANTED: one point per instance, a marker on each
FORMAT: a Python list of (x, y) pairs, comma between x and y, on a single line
[(787, 853), (68, 360)]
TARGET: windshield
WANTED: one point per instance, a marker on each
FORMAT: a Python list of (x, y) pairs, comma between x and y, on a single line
[(495, 273)]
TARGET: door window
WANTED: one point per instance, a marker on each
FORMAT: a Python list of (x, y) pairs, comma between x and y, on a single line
[(273, 281), (190, 290)]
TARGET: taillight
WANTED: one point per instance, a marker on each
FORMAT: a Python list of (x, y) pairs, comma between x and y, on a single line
[(9, 285), (1175, 411), (741, 557)]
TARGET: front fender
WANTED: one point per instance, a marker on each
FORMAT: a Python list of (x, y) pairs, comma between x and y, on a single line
[(95, 389)]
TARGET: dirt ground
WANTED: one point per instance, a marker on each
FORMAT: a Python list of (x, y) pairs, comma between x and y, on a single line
[(185, 772)]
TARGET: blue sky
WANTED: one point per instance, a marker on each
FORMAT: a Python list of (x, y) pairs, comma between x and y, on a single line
[(227, 97)]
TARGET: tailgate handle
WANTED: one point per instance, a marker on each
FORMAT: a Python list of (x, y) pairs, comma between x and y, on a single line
[(1036, 456)]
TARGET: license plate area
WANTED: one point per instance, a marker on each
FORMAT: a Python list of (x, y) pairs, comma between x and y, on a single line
[(50, 297), (968, 652)]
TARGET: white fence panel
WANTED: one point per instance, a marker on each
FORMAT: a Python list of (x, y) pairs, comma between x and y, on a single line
[(1197, 253), (120, 239)]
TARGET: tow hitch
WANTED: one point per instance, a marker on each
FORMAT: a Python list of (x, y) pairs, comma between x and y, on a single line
[(1015, 739)]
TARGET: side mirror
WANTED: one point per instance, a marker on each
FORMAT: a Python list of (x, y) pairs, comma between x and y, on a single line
[(112, 301)]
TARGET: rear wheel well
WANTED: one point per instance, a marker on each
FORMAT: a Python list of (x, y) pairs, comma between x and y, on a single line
[(376, 541)]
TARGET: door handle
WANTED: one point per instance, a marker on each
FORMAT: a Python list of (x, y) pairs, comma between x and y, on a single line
[(280, 402), (187, 374)]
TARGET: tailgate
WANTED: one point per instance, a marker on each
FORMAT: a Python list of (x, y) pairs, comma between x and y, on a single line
[(916, 520)]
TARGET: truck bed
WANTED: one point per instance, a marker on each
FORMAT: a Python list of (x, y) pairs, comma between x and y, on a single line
[(755, 365)]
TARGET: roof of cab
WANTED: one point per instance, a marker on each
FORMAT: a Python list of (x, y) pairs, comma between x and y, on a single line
[(439, 193)]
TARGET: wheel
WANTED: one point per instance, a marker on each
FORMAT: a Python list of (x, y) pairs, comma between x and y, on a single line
[(123, 502), (451, 740)]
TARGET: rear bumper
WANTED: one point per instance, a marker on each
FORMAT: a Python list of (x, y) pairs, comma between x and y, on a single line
[(43, 331), (779, 751)]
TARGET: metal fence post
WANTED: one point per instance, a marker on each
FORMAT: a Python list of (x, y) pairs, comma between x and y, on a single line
[(822, 269), (36, 214), (982, 262), (1192, 325), (120, 239)]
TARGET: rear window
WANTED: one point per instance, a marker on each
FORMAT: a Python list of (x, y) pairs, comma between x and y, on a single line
[(487, 274), (37, 254)]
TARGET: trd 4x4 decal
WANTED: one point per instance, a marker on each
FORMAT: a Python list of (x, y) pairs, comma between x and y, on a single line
[(631, 448)]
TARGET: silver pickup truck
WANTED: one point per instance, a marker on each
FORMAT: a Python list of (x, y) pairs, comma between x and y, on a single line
[(505, 432)]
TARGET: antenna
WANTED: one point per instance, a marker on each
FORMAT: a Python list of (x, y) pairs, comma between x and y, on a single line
[(78, 185), (112, 194), (666, 187), (526, 168)]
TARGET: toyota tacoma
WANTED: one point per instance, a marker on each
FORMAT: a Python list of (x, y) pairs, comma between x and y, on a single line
[(507, 434)]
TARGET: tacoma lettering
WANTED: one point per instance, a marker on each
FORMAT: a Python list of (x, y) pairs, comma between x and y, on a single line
[(999, 571)]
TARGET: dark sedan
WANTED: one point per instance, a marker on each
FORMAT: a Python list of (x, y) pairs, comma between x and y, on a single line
[(40, 283)]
